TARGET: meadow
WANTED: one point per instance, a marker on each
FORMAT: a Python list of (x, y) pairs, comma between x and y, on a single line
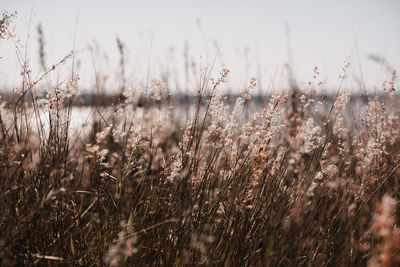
[(294, 180)]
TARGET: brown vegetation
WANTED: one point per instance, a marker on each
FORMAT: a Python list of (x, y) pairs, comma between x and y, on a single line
[(289, 185)]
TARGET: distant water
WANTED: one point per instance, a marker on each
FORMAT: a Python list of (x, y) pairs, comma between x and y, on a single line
[(82, 118)]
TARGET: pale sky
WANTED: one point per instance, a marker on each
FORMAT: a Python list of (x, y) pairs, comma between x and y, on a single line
[(250, 36)]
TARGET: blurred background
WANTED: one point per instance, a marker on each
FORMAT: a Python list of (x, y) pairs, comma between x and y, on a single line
[(177, 40)]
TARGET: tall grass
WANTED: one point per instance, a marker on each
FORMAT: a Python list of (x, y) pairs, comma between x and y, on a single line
[(299, 182)]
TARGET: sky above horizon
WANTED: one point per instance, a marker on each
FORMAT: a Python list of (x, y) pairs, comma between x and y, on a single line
[(248, 37)]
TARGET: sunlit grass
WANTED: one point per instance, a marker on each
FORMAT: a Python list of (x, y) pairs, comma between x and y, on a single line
[(298, 181)]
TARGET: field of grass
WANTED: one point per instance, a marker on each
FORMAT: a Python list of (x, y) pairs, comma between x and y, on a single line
[(297, 181)]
